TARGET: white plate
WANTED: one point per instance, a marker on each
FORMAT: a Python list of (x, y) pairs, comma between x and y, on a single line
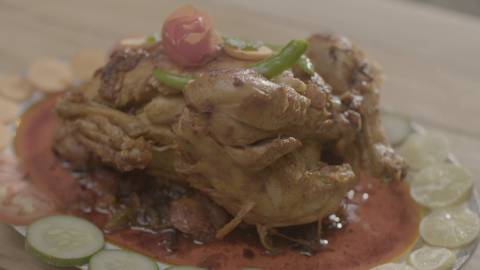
[(463, 255)]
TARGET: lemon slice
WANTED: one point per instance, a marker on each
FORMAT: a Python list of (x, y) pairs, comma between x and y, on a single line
[(451, 227), (421, 151), (393, 266), (441, 185), (430, 258)]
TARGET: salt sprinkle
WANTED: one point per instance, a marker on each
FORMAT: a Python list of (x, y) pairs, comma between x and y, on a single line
[(350, 194)]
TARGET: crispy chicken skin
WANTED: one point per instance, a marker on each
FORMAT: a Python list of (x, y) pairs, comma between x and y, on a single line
[(277, 173), (272, 153), (356, 80)]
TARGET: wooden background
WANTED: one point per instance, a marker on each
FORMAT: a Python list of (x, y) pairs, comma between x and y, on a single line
[(431, 57)]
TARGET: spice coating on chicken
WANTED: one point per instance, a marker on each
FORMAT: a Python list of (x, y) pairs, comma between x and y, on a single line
[(275, 173), (356, 80), (271, 152)]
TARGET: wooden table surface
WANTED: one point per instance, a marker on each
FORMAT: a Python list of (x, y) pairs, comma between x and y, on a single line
[(431, 57)]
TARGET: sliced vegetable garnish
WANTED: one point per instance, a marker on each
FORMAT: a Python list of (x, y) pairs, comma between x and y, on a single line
[(306, 65), (8, 111), (172, 80), (441, 185), (20, 202), (64, 240), (431, 258), (286, 58), (422, 150), (14, 87), (50, 75), (184, 267), (6, 136), (8, 189), (133, 42), (397, 127), (393, 266), (25, 204), (85, 62), (246, 45), (121, 260), (152, 39), (451, 228), (256, 55)]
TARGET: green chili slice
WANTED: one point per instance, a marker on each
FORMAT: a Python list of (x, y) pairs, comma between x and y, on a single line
[(172, 80), (286, 58), (304, 63), (152, 39)]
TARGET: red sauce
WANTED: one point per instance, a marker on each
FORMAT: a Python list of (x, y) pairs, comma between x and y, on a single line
[(379, 228)]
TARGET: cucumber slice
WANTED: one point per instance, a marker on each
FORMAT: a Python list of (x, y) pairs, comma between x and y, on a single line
[(397, 127), (184, 267), (63, 240), (121, 260)]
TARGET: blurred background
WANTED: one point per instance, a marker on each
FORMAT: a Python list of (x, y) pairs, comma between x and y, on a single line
[(471, 7)]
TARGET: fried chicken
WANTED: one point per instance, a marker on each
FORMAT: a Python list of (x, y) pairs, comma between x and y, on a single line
[(272, 153)]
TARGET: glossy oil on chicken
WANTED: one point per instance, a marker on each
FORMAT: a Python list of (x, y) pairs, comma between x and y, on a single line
[(271, 152)]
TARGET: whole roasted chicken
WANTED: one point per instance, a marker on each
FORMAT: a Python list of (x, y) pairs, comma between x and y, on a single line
[(272, 136)]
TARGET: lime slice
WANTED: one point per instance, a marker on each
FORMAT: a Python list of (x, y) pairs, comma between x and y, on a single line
[(63, 240), (397, 127), (121, 260), (393, 266), (451, 227), (441, 185), (421, 151), (431, 258)]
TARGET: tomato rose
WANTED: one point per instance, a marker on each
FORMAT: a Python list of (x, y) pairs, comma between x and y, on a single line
[(189, 38)]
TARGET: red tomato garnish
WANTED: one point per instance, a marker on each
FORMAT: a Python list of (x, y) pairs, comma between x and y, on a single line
[(189, 38), (20, 202), (26, 206)]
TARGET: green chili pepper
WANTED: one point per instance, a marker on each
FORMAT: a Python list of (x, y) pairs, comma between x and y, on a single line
[(151, 39), (286, 58), (245, 45), (306, 65), (172, 80)]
